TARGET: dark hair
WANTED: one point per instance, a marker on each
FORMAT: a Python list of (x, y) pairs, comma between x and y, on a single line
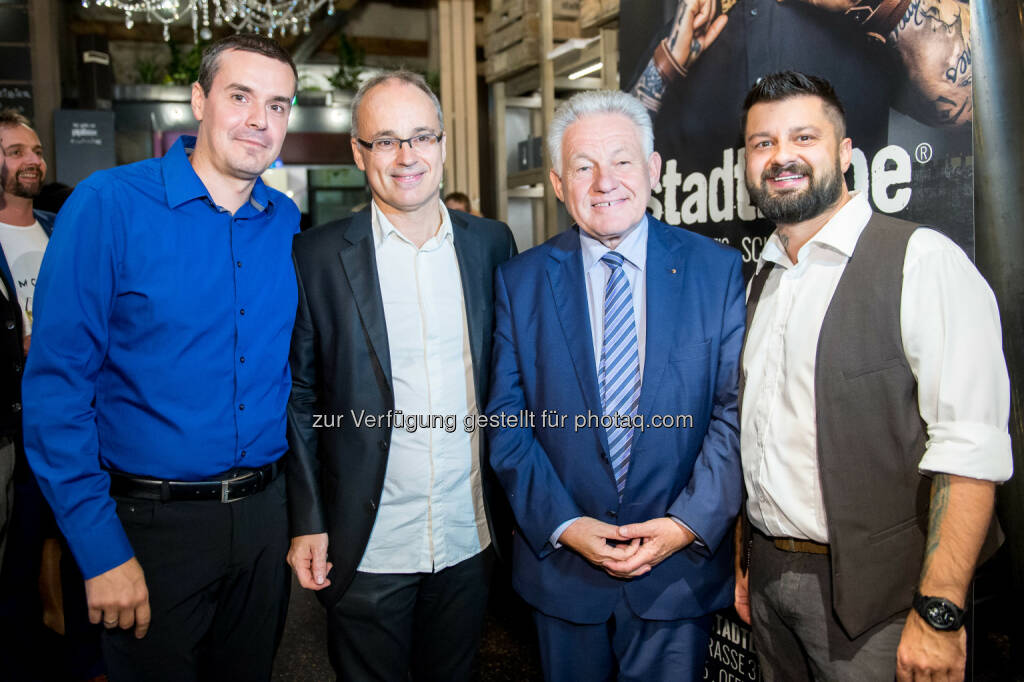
[(10, 118), (776, 87), (243, 42), (461, 197)]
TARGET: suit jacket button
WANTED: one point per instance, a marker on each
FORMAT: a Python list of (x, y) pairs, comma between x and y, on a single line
[(611, 513), (10, 324), (371, 505), (383, 444), (16, 407)]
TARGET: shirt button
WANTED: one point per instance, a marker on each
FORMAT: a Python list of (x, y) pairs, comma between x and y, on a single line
[(242, 359), (238, 263), (243, 453), (241, 406), (242, 311)]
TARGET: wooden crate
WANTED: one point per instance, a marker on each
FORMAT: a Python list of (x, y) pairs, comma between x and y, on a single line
[(519, 57), (598, 12), (527, 27), (513, 34), (512, 10)]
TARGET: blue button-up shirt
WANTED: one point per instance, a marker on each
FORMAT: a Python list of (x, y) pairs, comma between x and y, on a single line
[(160, 342)]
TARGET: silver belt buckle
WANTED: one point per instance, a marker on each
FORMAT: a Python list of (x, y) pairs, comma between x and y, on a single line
[(224, 487)]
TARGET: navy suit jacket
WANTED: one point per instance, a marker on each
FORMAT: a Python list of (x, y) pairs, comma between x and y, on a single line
[(544, 360)]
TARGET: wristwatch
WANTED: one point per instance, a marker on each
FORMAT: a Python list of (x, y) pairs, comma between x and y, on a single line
[(940, 613)]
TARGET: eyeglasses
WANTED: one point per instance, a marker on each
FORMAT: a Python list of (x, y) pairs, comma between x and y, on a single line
[(390, 145)]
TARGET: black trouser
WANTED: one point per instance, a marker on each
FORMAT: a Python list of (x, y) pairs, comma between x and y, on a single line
[(218, 589), (387, 626)]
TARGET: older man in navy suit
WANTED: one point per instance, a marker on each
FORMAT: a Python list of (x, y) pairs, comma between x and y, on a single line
[(621, 338)]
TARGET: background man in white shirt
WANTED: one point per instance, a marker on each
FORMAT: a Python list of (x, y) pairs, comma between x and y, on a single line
[(388, 492), (23, 232), (24, 235), (874, 414)]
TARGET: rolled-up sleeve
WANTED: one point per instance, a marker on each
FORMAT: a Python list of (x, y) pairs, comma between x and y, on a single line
[(953, 342)]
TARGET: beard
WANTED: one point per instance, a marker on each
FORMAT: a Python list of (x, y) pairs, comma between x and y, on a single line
[(14, 186), (796, 206)]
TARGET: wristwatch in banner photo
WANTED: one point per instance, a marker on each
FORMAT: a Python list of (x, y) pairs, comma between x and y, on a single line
[(941, 614)]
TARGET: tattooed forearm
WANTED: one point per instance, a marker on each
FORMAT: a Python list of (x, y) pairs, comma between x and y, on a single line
[(959, 514), (650, 89), (936, 513)]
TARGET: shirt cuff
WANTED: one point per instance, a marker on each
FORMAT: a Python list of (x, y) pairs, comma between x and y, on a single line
[(561, 529), (697, 542), (971, 450), (101, 548)]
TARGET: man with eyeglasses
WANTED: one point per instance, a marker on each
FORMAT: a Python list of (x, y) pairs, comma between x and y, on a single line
[(388, 494)]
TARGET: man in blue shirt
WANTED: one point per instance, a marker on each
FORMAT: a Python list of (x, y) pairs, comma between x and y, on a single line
[(158, 379)]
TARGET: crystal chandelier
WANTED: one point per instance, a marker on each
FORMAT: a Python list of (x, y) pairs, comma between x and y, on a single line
[(268, 17)]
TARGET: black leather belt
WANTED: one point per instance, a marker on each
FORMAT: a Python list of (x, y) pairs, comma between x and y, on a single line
[(240, 484)]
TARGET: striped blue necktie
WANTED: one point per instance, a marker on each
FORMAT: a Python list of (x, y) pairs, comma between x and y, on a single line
[(620, 365)]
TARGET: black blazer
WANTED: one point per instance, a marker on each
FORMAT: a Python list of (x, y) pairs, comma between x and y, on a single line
[(12, 359), (340, 361)]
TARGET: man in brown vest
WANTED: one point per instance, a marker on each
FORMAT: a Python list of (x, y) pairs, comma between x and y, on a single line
[(874, 414)]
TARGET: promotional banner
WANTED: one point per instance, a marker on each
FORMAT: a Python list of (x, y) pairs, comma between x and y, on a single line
[(907, 96), (909, 106)]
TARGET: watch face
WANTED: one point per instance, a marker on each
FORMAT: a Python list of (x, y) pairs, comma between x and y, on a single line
[(940, 615)]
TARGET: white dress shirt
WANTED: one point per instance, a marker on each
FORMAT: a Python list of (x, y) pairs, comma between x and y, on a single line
[(431, 512), (952, 340)]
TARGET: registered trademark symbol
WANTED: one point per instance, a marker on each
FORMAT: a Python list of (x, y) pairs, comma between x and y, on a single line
[(923, 153)]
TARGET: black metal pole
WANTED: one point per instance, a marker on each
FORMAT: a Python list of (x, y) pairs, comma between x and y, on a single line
[(997, 40)]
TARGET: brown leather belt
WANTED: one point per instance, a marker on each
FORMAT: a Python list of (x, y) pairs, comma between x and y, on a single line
[(802, 546)]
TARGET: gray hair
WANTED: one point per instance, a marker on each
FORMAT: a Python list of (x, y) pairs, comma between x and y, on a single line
[(405, 76), (598, 102)]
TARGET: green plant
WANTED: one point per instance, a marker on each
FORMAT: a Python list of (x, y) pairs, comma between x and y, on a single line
[(350, 64), (149, 72), (183, 68)]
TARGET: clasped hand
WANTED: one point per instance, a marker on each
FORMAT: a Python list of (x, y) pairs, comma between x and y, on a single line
[(626, 551)]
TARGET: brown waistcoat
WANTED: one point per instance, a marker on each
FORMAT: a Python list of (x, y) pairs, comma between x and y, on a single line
[(870, 433)]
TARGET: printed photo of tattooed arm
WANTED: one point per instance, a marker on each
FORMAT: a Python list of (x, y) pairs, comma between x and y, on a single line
[(694, 27), (931, 38)]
